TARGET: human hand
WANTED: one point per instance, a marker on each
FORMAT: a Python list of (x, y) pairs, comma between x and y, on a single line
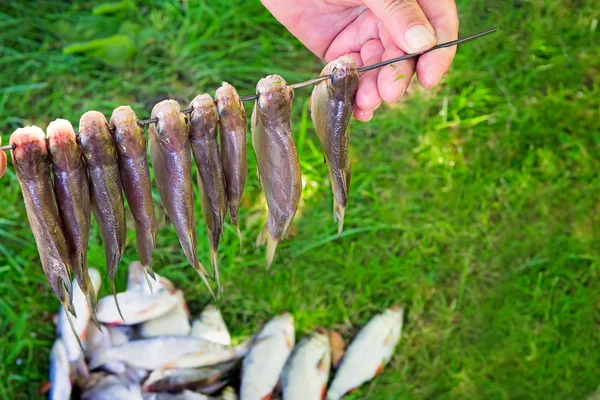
[(371, 31)]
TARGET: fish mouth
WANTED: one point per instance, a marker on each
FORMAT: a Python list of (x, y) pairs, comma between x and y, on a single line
[(342, 69)]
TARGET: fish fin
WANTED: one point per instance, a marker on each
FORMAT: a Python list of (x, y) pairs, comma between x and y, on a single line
[(81, 368), (201, 271), (289, 343), (215, 266), (114, 290), (322, 364), (267, 396), (324, 392), (288, 223), (67, 302), (263, 238), (150, 271), (239, 235), (338, 216), (379, 369), (147, 276), (67, 307)]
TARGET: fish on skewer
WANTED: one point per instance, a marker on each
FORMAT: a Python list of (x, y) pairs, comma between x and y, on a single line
[(277, 157), (264, 362), (368, 353), (105, 184), (233, 127), (60, 372), (204, 122), (331, 109), (32, 166), (170, 153), (135, 178), (72, 193), (306, 371)]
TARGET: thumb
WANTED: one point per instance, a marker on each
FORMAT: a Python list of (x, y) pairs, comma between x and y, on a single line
[(406, 23)]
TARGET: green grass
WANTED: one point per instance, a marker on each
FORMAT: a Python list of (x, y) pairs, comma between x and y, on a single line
[(475, 205)]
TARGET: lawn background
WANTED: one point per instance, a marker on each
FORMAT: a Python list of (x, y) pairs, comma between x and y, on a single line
[(474, 205)]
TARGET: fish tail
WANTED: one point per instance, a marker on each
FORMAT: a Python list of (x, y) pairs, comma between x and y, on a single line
[(91, 299), (239, 235), (203, 277), (114, 290), (215, 266), (148, 273), (338, 216), (271, 248), (68, 306)]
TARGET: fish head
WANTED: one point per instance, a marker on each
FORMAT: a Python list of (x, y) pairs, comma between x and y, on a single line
[(95, 139), (204, 113), (62, 143), (30, 151), (172, 124), (228, 100), (274, 96), (129, 136), (344, 76)]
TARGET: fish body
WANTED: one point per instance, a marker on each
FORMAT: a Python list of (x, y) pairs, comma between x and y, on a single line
[(176, 322), (32, 166), (331, 109), (204, 122), (138, 307), (72, 193), (368, 353), (211, 326), (60, 373), (216, 356), (135, 178), (105, 183), (110, 387), (277, 158), (175, 380), (170, 153), (155, 353), (264, 363), (233, 128), (306, 371)]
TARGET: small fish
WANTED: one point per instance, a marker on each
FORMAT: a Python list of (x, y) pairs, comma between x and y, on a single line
[(110, 387), (175, 380), (211, 326), (60, 373), (136, 280), (3, 161), (331, 109), (155, 353), (368, 353), (80, 323), (107, 193), (72, 193), (204, 122), (135, 178), (233, 127), (140, 307), (174, 323), (306, 371), (264, 362), (277, 157), (170, 153), (32, 166)]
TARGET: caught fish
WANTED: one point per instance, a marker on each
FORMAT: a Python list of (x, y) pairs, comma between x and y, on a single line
[(155, 353), (277, 157), (32, 166), (175, 380), (110, 387), (306, 371), (80, 323), (3, 161), (60, 373), (139, 307), (368, 353), (264, 362), (72, 193), (136, 280), (105, 183), (204, 122), (233, 127), (203, 358), (331, 109), (135, 178), (211, 326), (170, 153), (174, 323)]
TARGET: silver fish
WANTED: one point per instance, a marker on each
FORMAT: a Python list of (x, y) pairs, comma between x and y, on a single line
[(203, 358), (140, 307), (331, 109), (110, 387), (174, 380), (306, 372), (368, 353), (277, 158), (264, 362), (211, 326), (60, 373), (176, 322), (185, 395)]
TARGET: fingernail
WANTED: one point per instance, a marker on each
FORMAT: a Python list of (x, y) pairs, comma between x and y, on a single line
[(418, 36)]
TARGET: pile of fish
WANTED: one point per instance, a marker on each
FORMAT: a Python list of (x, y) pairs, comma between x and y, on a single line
[(156, 353), (65, 177)]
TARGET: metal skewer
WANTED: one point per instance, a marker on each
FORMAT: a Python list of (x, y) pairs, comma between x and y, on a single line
[(143, 122)]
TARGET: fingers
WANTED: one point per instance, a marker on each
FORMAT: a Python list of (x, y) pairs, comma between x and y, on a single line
[(367, 95), (444, 19), (393, 80), (354, 36), (406, 23)]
